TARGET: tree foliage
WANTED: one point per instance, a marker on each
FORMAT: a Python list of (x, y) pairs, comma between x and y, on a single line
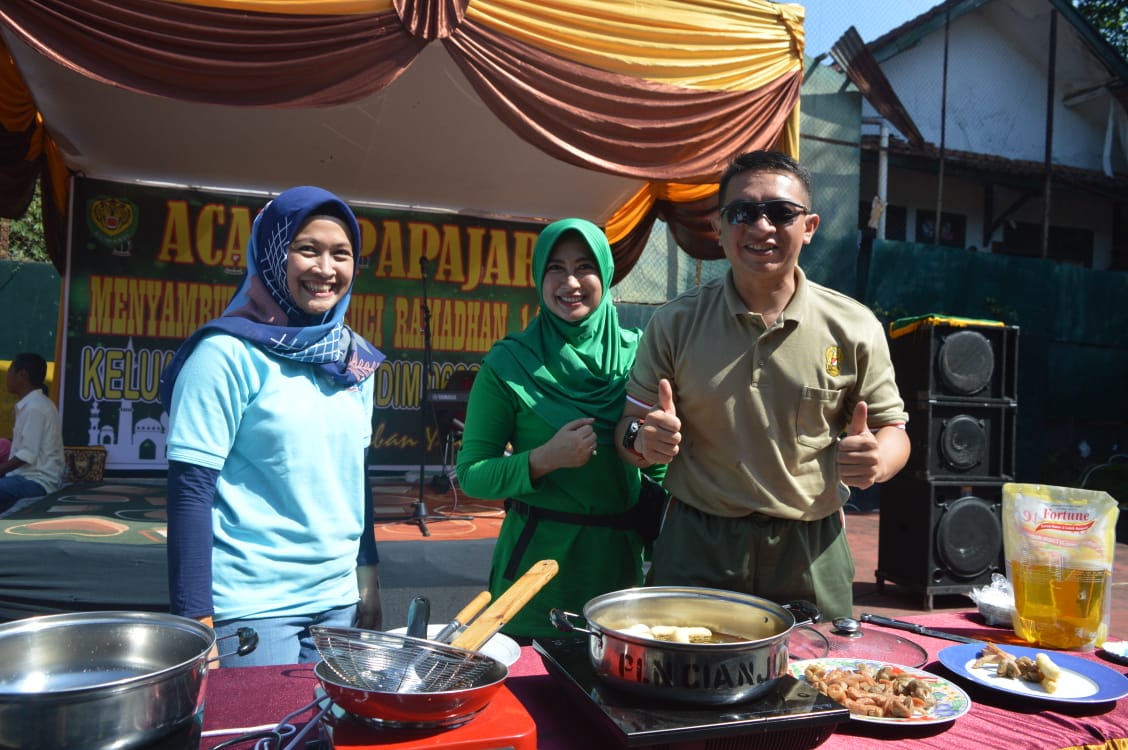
[(1110, 17), (22, 239)]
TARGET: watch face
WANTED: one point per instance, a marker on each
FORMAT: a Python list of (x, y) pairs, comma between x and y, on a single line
[(631, 433)]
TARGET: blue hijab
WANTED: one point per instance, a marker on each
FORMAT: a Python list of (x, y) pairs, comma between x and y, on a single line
[(263, 312)]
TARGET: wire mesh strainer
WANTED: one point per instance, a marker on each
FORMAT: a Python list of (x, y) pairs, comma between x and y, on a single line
[(391, 663)]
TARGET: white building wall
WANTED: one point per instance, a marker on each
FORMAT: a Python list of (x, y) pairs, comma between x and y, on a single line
[(996, 90)]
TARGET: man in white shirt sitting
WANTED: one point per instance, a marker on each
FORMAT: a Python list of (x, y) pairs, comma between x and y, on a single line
[(35, 463)]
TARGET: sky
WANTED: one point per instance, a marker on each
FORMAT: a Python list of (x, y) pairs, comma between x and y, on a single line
[(827, 20)]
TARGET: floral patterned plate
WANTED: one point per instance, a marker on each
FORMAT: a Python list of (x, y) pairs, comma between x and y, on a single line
[(951, 701)]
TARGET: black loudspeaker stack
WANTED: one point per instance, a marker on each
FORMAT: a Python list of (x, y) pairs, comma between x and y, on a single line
[(939, 525)]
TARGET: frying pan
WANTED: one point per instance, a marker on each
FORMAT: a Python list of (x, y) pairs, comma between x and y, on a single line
[(442, 709), (410, 682)]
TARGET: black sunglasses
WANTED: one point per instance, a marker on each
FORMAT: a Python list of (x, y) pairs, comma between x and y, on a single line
[(779, 212)]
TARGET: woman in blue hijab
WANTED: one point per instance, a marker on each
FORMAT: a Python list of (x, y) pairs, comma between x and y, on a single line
[(269, 507)]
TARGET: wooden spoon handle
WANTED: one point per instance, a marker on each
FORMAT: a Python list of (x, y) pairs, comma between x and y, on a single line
[(463, 618), (476, 605), (506, 605)]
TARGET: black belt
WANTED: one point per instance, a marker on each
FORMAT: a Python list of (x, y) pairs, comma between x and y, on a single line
[(623, 521)]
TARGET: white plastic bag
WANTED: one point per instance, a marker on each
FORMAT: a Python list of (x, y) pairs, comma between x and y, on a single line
[(995, 601)]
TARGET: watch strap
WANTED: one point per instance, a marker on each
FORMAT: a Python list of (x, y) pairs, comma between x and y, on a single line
[(631, 434)]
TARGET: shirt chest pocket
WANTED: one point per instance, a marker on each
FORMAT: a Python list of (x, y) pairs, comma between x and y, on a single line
[(817, 408)]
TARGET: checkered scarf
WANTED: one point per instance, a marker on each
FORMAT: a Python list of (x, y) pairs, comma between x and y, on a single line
[(263, 312)]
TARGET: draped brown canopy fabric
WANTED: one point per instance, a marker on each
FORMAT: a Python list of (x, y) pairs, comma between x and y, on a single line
[(663, 91)]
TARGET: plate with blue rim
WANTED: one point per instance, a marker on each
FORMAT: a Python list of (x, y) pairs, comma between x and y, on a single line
[(1082, 680)]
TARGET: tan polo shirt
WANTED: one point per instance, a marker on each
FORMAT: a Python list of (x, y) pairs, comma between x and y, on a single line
[(761, 410)]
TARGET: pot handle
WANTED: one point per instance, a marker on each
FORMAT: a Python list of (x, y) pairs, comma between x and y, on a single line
[(561, 621), (804, 612), (248, 642)]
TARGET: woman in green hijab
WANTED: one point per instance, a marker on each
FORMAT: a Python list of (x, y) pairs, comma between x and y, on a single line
[(540, 423)]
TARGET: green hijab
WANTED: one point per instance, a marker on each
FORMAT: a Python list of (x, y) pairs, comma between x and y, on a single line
[(566, 370)]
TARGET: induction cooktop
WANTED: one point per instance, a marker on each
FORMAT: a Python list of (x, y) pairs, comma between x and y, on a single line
[(795, 714)]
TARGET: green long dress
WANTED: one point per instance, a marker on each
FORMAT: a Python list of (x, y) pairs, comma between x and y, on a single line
[(531, 384), (593, 560)]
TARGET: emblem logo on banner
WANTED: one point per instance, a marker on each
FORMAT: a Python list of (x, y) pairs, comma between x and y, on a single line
[(112, 222)]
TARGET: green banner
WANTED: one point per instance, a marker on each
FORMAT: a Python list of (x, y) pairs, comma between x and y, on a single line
[(148, 265)]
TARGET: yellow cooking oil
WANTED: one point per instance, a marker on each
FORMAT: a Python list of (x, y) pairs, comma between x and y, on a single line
[(1059, 607)]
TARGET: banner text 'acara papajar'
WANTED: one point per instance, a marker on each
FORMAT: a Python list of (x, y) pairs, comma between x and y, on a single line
[(462, 257), (150, 266)]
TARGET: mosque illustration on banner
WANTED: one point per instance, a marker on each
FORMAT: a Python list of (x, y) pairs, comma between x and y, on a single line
[(131, 443)]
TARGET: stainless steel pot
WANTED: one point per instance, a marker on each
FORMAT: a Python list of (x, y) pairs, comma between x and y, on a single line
[(100, 680), (698, 673)]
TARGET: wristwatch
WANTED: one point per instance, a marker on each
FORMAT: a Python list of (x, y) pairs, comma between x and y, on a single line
[(631, 434)]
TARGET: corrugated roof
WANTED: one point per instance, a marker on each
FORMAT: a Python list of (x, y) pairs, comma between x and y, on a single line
[(863, 71), (1024, 170), (907, 35), (912, 31)]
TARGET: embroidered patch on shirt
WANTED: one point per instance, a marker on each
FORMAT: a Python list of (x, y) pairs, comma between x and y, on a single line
[(832, 361)]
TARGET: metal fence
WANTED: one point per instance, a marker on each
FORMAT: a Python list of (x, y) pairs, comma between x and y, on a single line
[(664, 271)]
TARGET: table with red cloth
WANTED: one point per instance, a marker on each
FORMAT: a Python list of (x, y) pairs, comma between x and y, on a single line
[(251, 696)]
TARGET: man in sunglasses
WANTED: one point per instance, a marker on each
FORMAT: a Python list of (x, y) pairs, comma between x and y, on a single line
[(769, 396)]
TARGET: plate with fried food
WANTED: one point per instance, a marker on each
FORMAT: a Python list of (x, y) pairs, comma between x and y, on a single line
[(878, 692), (1042, 674)]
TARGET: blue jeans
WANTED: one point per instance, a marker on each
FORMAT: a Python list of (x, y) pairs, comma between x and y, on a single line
[(16, 488), (281, 640)]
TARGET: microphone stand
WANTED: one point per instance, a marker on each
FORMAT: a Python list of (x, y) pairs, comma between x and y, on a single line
[(419, 515)]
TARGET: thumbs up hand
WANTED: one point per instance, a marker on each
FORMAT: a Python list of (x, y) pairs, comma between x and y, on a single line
[(858, 424), (660, 435), (666, 397), (859, 460)]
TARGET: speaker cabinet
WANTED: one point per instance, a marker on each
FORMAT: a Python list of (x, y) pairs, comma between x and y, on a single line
[(938, 538), (976, 363), (940, 529), (962, 442)]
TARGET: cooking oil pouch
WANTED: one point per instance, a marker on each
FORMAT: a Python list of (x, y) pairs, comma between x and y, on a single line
[(1059, 544)]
